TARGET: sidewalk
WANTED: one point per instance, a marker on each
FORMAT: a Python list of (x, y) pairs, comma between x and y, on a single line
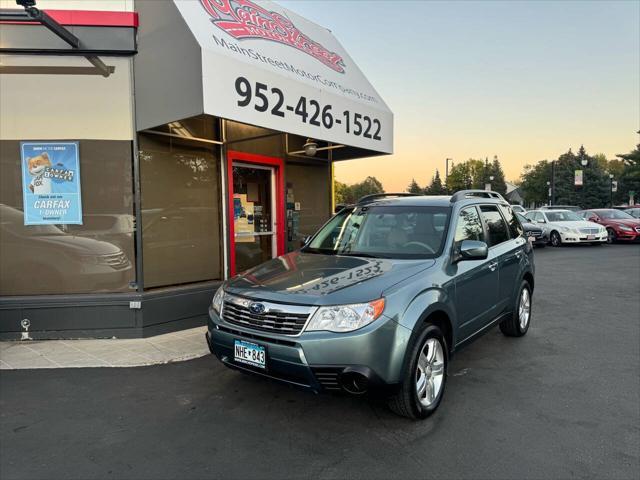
[(171, 347)]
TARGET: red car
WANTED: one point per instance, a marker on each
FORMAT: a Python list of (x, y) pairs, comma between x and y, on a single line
[(620, 225)]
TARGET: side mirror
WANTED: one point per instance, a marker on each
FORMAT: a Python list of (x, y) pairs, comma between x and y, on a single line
[(541, 220), (472, 250)]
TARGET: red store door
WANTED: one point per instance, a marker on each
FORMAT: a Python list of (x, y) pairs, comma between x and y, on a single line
[(256, 209)]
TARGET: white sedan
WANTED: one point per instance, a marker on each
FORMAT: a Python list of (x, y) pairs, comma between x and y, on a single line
[(565, 226)]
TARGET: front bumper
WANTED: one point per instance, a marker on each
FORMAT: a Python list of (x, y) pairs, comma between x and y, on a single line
[(369, 359), (627, 236), (570, 237)]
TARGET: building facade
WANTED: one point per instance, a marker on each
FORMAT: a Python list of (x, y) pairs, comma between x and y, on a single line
[(174, 144)]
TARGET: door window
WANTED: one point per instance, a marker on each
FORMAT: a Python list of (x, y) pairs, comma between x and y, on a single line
[(496, 227), (514, 225), (469, 226), (252, 215)]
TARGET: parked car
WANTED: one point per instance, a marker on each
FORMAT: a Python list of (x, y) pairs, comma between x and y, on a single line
[(519, 209), (565, 226), (620, 225), (380, 298), (533, 232), (633, 211), (571, 208)]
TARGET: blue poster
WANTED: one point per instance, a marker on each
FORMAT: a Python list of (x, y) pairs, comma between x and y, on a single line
[(51, 183)]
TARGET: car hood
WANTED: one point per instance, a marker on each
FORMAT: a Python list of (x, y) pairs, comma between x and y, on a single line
[(575, 224), (314, 279), (629, 222), (73, 245)]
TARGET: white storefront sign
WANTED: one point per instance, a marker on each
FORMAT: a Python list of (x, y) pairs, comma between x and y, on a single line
[(265, 65)]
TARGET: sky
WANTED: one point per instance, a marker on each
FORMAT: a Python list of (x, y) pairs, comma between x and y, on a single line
[(525, 81)]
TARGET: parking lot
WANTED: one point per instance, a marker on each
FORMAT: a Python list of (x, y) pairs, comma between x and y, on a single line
[(562, 402)]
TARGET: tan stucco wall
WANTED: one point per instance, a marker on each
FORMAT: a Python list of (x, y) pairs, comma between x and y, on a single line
[(65, 106)]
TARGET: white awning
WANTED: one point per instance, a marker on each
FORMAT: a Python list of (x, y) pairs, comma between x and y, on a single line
[(267, 66)]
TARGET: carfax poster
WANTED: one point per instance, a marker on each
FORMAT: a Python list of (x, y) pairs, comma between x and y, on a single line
[(51, 183)]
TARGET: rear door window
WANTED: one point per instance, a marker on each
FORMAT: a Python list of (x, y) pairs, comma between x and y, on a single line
[(496, 227), (514, 225)]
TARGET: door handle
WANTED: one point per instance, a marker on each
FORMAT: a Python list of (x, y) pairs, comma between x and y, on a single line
[(493, 266)]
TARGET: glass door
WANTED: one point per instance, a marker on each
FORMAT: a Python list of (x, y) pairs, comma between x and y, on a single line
[(254, 227)]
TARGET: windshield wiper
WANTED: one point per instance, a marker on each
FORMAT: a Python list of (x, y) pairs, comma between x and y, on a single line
[(364, 255)]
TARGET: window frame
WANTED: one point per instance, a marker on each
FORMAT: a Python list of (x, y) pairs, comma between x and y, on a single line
[(454, 246), (486, 228)]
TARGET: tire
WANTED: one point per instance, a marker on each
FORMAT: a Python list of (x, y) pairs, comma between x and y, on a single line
[(406, 401), (516, 325), (555, 239), (611, 236)]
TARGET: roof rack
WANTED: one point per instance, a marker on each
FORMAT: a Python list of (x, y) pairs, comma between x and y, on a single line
[(375, 196), (464, 194)]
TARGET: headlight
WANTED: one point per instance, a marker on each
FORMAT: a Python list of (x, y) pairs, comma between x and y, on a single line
[(216, 303), (345, 318), (564, 229), (625, 228)]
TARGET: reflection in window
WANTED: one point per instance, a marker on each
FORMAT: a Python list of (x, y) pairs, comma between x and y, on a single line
[(514, 225), (95, 257), (496, 227), (181, 238), (469, 226)]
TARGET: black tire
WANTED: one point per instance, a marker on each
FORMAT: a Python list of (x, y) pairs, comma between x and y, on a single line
[(512, 326), (405, 402), (611, 236), (555, 239)]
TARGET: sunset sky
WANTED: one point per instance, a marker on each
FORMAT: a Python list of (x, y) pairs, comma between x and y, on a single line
[(522, 80)]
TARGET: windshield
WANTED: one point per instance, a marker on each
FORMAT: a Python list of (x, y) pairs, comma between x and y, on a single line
[(384, 232), (565, 216), (615, 214), (522, 218)]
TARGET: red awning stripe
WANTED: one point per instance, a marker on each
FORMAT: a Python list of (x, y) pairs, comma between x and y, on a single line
[(91, 18)]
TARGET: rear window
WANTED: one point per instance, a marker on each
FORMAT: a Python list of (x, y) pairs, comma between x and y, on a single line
[(495, 224)]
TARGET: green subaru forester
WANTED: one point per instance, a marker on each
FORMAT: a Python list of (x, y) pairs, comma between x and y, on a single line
[(380, 298)]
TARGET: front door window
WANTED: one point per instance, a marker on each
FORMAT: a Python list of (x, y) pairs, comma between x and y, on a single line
[(253, 215)]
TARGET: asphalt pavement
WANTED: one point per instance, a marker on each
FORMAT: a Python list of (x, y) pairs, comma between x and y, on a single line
[(561, 402)]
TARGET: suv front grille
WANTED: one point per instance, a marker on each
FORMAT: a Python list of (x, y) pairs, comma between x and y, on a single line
[(284, 319)]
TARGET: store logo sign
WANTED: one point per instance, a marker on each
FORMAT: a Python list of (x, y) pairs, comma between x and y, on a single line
[(244, 19)]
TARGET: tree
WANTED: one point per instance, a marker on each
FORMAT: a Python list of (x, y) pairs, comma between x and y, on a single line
[(497, 184), (593, 193), (436, 187), (534, 183), (470, 174), (630, 176), (414, 187), (352, 193)]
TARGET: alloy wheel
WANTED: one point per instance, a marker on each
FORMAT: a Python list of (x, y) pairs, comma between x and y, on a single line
[(430, 372), (524, 309)]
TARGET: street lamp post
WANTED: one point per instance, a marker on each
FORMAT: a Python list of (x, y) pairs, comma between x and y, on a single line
[(549, 193), (446, 173), (611, 190)]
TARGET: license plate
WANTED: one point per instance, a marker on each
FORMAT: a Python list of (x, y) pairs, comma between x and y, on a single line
[(591, 237), (250, 354)]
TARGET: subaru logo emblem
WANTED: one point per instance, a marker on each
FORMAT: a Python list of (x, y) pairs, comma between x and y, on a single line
[(256, 308)]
